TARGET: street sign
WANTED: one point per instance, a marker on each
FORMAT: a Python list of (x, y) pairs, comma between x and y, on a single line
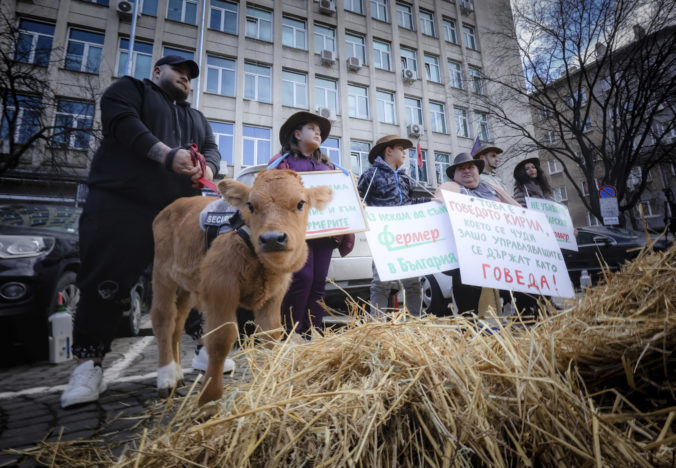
[(607, 191), (610, 211)]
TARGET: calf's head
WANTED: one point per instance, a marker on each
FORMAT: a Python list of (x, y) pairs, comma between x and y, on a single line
[(276, 209)]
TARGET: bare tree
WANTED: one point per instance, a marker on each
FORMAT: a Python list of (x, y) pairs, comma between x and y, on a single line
[(600, 76), (34, 118)]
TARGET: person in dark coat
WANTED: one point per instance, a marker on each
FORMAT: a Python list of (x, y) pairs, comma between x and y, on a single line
[(531, 181), (300, 137), (386, 183), (140, 167)]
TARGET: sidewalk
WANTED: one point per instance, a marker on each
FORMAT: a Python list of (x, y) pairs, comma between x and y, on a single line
[(30, 406)]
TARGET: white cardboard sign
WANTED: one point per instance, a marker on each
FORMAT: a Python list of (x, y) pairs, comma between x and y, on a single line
[(559, 219), (344, 213), (410, 240), (503, 246)]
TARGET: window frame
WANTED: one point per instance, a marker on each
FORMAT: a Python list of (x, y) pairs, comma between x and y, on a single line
[(256, 141), (357, 11), (34, 52), (415, 171), (441, 166), (450, 29), (426, 19), (224, 12), (376, 5), (405, 60), (326, 93), (257, 77), (428, 68), (438, 115), (385, 104), (84, 58), (359, 154), (555, 169), (413, 110), (402, 15), (324, 38), (184, 12), (220, 70), (461, 122), (134, 57), (455, 76), (356, 99), (26, 104), (352, 46), (72, 135), (483, 127), (217, 138), (378, 55), (295, 87), (294, 31), (251, 14), (469, 36)]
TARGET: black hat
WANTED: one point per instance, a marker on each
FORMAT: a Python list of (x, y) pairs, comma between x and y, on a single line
[(485, 148), (304, 117), (535, 161), (461, 159), (177, 60), (384, 142)]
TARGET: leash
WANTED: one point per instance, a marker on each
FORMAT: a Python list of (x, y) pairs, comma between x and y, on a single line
[(198, 159)]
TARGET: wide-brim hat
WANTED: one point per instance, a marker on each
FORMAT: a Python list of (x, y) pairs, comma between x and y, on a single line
[(461, 159), (535, 161), (388, 140), (177, 60), (485, 148), (304, 117)]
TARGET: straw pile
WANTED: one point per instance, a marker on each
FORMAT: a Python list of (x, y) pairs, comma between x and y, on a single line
[(591, 386)]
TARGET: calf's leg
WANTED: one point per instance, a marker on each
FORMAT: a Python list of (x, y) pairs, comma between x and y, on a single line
[(220, 336), (163, 313)]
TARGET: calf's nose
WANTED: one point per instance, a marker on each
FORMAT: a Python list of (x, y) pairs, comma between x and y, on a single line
[(273, 241)]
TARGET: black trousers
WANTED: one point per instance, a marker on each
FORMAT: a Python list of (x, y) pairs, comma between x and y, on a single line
[(116, 246)]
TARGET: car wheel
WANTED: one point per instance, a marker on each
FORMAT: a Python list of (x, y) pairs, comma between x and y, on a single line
[(69, 291), (432, 300), (132, 318)]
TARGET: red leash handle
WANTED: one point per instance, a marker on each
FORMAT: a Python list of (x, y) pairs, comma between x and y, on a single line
[(198, 159)]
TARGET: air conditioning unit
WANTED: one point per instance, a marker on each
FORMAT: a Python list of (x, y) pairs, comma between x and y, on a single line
[(409, 75), (353, 63), (328, 57), (327, 113), (327, 7), (125, 9), (415, 130), (467, 7)]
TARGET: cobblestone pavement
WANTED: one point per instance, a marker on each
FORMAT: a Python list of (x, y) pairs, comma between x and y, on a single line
[(30, 408)]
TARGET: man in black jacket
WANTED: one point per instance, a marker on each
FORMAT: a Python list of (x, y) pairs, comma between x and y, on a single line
[(140, 167)]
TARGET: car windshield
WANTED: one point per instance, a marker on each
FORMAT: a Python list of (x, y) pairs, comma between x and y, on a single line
[(54, 217)]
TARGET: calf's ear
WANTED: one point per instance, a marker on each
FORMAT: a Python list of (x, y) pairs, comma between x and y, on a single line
[(319, 197), (235, 193)]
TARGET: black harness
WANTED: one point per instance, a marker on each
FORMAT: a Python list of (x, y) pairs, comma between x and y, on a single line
[(217, 223)]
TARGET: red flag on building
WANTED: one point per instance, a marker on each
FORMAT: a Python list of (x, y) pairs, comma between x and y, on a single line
[(419, 157)]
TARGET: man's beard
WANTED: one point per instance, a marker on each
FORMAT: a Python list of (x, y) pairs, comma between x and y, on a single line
[(173, 91)]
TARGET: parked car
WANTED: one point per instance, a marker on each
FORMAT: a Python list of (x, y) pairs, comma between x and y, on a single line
[(39, 258), (612, 245)]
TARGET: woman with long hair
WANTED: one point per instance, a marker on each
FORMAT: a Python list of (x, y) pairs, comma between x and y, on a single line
[(531, 181), (300, 137)]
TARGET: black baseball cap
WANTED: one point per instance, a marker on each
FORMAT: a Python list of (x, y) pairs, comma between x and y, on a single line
[(177, 60)]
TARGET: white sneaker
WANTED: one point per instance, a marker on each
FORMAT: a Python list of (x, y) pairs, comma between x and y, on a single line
[(85, 385), (201, 358)]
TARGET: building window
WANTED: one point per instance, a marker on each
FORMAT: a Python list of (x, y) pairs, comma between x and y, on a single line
[(470, 38), (294, 33), (386, 108), (148, 7), (455, 74), (184, 11), (183, 53), (34, 42), (587, 125), (221, 75), (550, 137), (418, 173), (256, 145), (427, 23), (437, 117), (355, 47), (84, 51), (257, 82), (461, 122), (592, 220), (358, 101), (141, 59), (560, 194), (326, 94), (325, 38), (408, 59), (477, 80), (585, 186), (441, 163), (331, 148), (580, 98), (553, 166), (259, 24), (413, 111), (359, 157), (482, 128), (543, 113), (27, 122), (379, 10), (382, 55), (404, 16), (73, 124), (223, 134), (223, 16), (649, 209), (355, 6), (450, 31), (432, 69), (294, 89)]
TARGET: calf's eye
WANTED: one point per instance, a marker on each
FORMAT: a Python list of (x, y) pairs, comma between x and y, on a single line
[(250, 207), (300, 205)]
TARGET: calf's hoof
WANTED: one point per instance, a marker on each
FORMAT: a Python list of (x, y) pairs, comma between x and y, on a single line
[(168, 377)]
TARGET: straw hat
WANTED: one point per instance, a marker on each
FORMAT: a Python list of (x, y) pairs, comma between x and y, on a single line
[(535, 161), (485, 148), (388, 140), (304, 117), (461, 159)]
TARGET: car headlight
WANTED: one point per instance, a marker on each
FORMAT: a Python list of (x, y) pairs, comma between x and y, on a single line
[(25, 246)]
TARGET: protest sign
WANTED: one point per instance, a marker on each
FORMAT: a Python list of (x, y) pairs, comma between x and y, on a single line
[(559, 219), (410, 240), (504, 246), (344, 214)]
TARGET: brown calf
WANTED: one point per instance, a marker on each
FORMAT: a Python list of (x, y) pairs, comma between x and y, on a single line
[(229, 274)]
